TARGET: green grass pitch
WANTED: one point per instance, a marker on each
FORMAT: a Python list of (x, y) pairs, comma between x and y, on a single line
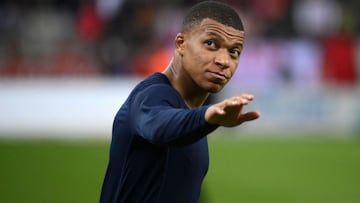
[(241, 170)]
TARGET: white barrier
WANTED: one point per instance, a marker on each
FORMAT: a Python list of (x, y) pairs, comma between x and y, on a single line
[(292, 110), (61, 107), (75, 108)]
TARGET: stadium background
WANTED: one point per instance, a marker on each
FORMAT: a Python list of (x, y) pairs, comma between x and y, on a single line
[(66, 67)]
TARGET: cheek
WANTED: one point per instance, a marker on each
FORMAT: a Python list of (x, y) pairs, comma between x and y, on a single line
[(233, 67), (194, 57), (200, 59)]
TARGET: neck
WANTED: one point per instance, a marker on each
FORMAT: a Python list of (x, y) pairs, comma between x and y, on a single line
[(192, 94)]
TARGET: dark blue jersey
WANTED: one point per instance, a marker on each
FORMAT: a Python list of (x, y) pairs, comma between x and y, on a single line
[(159, 150)]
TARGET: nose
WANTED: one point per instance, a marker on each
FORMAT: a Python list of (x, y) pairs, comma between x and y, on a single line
[(222, 58)]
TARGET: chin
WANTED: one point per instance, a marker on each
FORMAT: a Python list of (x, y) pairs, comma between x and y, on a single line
[(215, 89), (211, 87)]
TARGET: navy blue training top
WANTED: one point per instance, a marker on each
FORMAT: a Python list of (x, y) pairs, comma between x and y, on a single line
[(159, 150)]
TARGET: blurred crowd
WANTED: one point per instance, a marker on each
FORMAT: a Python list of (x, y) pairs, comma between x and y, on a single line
[(298, 41)]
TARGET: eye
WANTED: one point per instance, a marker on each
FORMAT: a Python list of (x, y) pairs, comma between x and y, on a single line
[(234, 53), (210, 44)]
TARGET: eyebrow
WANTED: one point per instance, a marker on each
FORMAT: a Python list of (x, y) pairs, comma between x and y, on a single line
[(215, 35)]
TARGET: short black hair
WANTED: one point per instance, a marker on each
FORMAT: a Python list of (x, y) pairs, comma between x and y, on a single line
[(214, 10)]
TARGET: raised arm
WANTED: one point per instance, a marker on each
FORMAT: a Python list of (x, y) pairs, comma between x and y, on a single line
[(161, 117)]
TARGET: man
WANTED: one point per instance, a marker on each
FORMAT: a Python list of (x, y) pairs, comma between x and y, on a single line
[(159, 150)]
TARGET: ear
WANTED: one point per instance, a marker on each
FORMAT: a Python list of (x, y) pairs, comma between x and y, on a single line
[(180, 43)]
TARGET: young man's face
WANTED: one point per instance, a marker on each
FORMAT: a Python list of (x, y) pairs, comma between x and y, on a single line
[(210, 54)]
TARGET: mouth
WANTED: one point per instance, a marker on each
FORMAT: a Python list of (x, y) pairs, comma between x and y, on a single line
[(218, 76)]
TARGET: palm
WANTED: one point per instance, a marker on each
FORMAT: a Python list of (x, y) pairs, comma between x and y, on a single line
[(229, 113)]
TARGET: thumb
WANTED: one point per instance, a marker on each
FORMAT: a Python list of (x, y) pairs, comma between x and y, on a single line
[(249, 116)]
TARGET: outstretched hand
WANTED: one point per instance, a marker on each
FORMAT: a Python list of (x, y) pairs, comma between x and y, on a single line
[(228, 113)]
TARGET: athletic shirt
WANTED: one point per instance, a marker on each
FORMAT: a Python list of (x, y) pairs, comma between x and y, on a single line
[(159, 149)]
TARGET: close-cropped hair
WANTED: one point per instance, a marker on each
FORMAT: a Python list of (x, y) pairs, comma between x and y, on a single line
[(214, 10)]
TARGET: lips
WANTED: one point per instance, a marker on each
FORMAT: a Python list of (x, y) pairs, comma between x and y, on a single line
[(218, 76)]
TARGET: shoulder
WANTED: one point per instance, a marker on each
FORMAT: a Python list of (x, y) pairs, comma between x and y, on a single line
[(157, 84), (157, 88), (159, 94)]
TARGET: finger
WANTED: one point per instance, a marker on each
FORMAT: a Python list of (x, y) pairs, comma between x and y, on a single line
[(220, 111), (249, 116), (241, 98), (248, 96), (240, 101), (232, 102)]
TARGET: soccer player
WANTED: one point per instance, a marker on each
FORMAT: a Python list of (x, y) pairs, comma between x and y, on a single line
[(159, 149)]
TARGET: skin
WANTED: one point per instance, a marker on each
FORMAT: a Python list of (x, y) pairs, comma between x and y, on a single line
[(205, 59)]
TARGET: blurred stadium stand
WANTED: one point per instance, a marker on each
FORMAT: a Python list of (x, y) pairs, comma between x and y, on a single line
[(301, 60)]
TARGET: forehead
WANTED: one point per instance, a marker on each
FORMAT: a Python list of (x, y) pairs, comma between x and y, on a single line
[(212, 27)]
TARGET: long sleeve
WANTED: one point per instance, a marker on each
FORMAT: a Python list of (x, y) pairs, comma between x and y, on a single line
[(160, 116)]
